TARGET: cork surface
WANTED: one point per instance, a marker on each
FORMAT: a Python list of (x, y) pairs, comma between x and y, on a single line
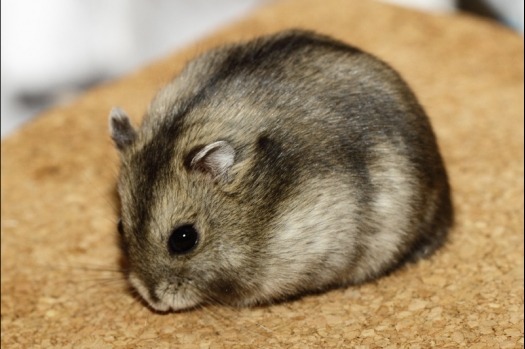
[(61, 285)]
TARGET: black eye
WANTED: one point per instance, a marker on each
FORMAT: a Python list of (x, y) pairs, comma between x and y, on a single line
[(119, 227), (183, 239)]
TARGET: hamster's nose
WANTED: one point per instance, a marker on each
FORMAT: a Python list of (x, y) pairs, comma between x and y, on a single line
[(174, 280)]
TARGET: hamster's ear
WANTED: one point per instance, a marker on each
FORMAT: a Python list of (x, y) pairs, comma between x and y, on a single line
[(122, 133), (214, 159)]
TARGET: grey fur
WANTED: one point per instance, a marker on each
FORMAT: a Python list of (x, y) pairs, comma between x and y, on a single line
[(120, 128), (331, 175)]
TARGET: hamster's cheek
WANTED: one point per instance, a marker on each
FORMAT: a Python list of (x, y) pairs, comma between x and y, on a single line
[(165, 295)]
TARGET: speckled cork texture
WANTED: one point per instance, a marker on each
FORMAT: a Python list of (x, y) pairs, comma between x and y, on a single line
[(60, 258)]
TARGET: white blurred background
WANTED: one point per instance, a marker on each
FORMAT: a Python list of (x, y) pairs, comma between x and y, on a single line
[(54, 49)]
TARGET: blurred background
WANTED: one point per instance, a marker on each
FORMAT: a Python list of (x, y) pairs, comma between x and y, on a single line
[(52, 50)]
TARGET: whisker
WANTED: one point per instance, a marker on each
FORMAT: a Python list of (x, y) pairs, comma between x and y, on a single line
[(99, 283), (98, 191), (220, 306), (95, 268), (219, 316), (104, 280)]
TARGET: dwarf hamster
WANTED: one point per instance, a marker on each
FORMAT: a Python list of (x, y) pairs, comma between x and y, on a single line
[(285, 165)]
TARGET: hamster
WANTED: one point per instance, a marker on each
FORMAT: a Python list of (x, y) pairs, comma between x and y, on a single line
[(286, 165)]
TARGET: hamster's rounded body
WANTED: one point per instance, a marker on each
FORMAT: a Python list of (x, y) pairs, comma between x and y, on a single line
[(297, 162)]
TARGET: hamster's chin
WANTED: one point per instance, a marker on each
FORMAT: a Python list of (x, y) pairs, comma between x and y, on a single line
[(164, 300)]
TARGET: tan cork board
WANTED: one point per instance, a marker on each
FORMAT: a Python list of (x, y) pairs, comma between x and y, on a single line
[(60, 257)]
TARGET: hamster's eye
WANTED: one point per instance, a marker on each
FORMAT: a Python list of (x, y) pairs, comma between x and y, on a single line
[(183, 239), (119, 227)]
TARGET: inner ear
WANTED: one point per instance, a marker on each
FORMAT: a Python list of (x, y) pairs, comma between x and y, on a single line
[(213, 159)]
